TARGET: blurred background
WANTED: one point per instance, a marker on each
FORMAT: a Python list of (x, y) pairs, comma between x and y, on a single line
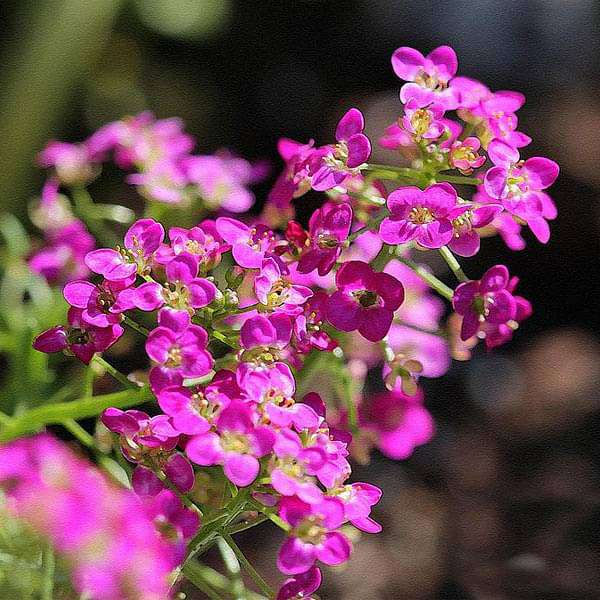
[(505, 502)]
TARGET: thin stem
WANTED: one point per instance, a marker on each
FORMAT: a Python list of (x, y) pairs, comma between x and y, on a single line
[(195, 572), (183, 497), (114, 372), (49, 566), (53, 414), (135, 326), (458, 179), (80, 433), (453, 264), (431, 280), (401, 171), (4, 418), (199, 578), (372, 225), (271, 515), (248, 525), (254, 574)]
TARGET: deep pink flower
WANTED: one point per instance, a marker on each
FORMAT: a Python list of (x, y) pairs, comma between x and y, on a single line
[(423, 120), (185, 406), (294, 468), (519, 185), (163, 181), (345, 158), (142, 240), (97, 302), (268, 332), (72, 162), (237, 444), (423, 216), (301, 585), (464, 155), (485, 300), (312, 537), (80, 338), (329, 227), (274, 289), (365, 300), (429, 75), (465, 240), (178, 346), (249, 245), (182, 291), (176, 467), (399, 423), (222, 180), (358, 499), (308, 326), (199, 242)]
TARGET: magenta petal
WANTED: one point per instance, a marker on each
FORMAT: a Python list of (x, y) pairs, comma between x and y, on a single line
[(232, 230), (202, 292), (51, 340), (181, 473), (245, 256), (494, 279), (158, 344), (350, 124), (240, 469), (376, 324), (205, 449), (541, 172), (407, 62), (444, 57), (182, 268), (394, 231), (145, 482), (327, 178), (502, 154), (343, 312), (263, 439), (257, 331), (176, 321), (404, 197), (148, 296), (540, 228), (110, 264), (335, 549), (470, 325), (435, 234), (295, 556), (359, 150), (366, 524), (466, 244), (502, 309), (77, 293)]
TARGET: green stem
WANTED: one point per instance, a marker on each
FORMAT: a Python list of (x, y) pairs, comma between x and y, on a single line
[(453, 264), (371, 226), (271, 514), (79, 433), (135, 326), (200, 578), (114, 372), (431, 280), (458, 179), (35, 419), (196, 572), (254, 574), (49, 566), (398, 171)]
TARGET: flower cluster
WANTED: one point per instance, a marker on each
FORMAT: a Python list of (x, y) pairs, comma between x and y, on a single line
[(116, 545), (240, 310)]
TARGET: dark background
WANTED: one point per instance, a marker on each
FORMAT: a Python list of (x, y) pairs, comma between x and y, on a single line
[(505, 502)]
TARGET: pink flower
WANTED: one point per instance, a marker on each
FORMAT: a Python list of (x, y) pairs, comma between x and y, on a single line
[(423, 121), (423, 216), (351, 151), (365, 300), (179, 347), (519, 185), (464, 155), (466, 241), (399, 423), (486, 300), (294, 467), (237, 444), (358, 499), (272, 332), (429, 75), (250, 245), (301, 585), (312, 537), (97, 302), (163, 181), (329, 227), (80, 338), (308, 326), (274, 290), (142, 240), (182, 291), (73, 163), (185, 406), (199, 242)]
